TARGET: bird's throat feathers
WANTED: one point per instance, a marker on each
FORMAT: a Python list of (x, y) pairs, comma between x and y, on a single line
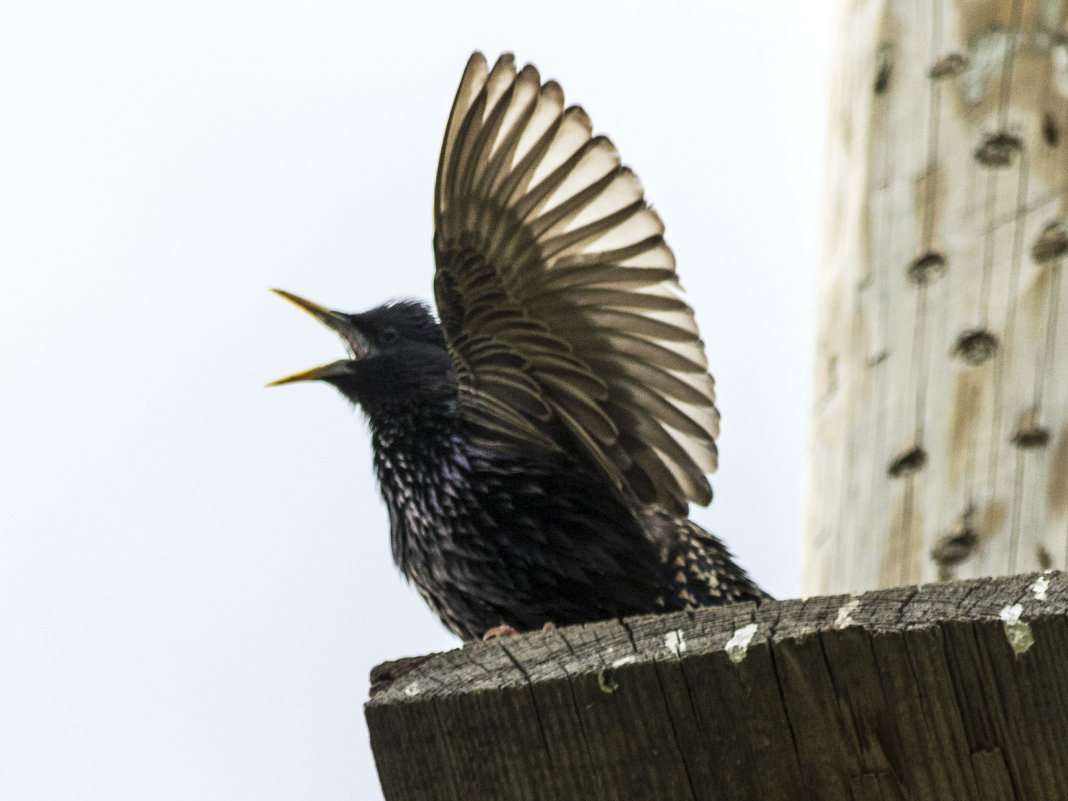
[(411, 401), (418, 428), (415, 381)]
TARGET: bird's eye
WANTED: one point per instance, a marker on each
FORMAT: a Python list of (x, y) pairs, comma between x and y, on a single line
[(388, 336)]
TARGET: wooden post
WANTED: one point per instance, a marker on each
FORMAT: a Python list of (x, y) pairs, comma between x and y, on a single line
[(939, 439), (948, 692)]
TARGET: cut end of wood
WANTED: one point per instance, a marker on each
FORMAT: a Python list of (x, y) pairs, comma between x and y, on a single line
[(382, 676), (942, 676)]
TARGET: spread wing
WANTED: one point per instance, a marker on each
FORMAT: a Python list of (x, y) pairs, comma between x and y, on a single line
[(558, 294)]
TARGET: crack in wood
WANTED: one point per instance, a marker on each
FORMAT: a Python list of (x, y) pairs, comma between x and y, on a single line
[(922, 691)]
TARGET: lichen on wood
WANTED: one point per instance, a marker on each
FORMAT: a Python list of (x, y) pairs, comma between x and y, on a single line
[(946, 692)]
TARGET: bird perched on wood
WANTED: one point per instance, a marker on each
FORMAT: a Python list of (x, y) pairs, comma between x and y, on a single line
[(538, 449)]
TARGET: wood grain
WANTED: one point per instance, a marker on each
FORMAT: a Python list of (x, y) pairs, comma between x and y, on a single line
[(941, 400), (913, 693)]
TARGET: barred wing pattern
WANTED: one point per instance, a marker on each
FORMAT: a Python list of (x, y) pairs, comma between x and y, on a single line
[(558, 294)]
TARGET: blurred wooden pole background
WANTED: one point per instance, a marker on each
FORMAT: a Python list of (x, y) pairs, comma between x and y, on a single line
[(939, 436)]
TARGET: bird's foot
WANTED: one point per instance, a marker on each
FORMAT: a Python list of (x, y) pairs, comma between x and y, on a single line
[(499, 631), (504, 630)]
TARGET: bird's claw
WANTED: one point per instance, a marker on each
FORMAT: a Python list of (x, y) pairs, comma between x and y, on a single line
[(504, 630), (499, 631)]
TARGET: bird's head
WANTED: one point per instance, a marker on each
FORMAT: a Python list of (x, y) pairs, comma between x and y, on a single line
[(397, 354)]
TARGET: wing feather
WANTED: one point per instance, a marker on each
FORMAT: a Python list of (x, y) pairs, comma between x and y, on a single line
[(558, 294)]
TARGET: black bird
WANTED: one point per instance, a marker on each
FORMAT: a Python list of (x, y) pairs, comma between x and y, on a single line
[(538, 449)]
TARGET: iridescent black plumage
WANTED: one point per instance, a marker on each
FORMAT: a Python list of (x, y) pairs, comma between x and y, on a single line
[(537, 450)]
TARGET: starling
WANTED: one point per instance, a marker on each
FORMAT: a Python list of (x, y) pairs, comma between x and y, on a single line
[(538, 449)]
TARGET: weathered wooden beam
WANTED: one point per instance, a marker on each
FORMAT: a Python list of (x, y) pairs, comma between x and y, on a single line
[(941, 692)]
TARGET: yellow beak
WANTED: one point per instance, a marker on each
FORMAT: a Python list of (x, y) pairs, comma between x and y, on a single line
[(337, 322)]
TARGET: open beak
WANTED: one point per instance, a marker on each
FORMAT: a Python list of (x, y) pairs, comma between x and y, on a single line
[(339, 323), (315, 374)]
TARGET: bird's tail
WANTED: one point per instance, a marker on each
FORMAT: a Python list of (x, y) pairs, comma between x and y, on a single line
[(700, 570)]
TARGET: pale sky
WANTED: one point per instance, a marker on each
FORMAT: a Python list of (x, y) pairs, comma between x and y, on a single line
[(194, 570)]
